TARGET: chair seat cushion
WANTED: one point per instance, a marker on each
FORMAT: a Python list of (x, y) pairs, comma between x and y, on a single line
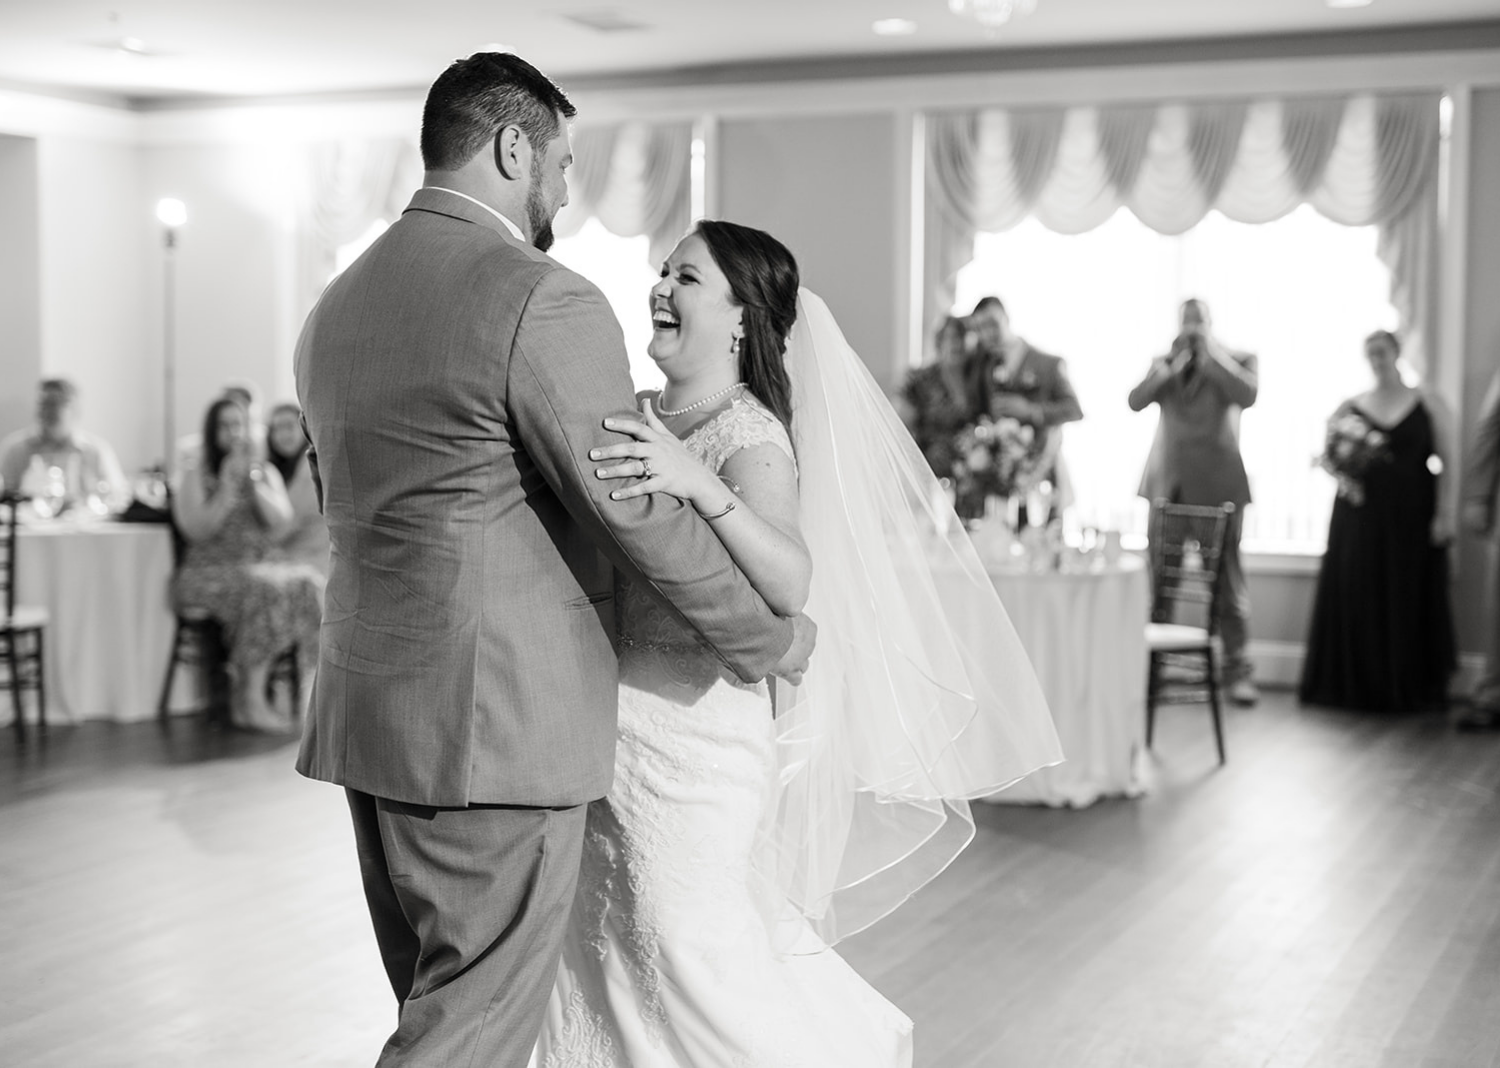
[(1169, 636), (27, 617)]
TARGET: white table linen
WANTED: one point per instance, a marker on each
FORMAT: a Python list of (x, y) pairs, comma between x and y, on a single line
[(1085, 634), (105, 585)]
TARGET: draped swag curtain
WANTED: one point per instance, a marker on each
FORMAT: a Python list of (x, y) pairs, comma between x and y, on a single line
[(348, 185), (635, 178), (1359, 160)]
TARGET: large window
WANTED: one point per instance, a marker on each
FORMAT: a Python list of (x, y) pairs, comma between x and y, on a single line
[(618, 266), (1301, 293)]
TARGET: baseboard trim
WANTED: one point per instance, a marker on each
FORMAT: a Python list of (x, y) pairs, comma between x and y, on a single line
[(1278, 665)]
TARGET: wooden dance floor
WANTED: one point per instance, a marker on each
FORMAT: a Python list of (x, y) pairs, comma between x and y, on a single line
[(1331, 898)]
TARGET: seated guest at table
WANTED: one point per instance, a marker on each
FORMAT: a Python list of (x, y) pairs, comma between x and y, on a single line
[(306, 541), (231, 509), (935, 402), (1010, 377), (246, 394), (88, 465), (1381, 637)]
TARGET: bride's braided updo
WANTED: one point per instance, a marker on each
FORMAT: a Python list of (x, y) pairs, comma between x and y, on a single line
[(763, 280)]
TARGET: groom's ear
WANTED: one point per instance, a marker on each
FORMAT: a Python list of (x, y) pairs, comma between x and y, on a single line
[(511, 148)]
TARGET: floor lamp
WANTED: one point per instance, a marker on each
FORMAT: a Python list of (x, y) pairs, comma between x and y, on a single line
[(172, 214)]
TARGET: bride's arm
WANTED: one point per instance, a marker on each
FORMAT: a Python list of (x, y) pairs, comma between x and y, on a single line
[(752, 508), (761, 531)]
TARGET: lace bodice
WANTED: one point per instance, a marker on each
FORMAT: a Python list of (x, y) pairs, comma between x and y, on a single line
[(644, 621)]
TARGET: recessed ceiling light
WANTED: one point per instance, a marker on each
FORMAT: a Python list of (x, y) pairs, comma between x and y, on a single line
[(1348, 3), (895, 27)]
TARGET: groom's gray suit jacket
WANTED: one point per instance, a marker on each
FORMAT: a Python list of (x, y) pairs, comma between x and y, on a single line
[(452, 381)]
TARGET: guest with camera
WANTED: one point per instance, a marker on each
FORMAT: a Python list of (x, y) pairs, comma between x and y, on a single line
[(1200, 387)]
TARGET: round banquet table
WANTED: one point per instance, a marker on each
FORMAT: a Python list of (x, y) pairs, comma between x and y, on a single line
[(110, 633), (1085, 633)]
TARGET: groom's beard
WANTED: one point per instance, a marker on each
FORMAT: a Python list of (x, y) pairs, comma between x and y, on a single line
[(537, 217)]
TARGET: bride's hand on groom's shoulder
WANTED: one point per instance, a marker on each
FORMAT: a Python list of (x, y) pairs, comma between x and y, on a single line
[(656, 459)]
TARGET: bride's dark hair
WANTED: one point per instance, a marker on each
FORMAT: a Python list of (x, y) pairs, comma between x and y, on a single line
[(763, 280)]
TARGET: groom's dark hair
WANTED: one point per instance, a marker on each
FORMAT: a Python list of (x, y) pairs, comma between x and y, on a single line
[(475, 98)]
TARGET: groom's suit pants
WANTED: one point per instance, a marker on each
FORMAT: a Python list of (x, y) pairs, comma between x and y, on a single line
[(469, 906)]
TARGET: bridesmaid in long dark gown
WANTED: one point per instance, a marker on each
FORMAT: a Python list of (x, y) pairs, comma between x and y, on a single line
[(1382, 633)]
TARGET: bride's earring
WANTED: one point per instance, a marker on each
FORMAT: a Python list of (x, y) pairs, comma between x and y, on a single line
[(734, 346)]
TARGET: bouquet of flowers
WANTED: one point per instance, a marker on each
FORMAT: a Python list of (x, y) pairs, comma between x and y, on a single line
[(1353, 444), (993, 458)]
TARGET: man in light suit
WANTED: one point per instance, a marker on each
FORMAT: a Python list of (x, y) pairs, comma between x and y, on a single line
[(453, 381), (1201, 387), (1481, 486), (1012, 377)]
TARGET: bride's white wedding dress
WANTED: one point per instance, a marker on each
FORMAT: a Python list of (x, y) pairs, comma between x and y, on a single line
[(668, 961)]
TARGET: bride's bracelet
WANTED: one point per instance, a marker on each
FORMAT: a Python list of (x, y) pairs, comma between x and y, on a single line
[(734, 488), (729, 507)]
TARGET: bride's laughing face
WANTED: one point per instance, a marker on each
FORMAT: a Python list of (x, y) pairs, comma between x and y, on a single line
[(694, 319)]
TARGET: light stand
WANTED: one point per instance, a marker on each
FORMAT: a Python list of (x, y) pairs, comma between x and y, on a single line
[(172, 214)]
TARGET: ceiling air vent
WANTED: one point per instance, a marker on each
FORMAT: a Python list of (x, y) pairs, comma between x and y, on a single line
[(606, 20)]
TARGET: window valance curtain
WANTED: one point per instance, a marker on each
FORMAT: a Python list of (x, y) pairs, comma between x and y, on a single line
[(347, 186), (1359, 160), (635, 178)]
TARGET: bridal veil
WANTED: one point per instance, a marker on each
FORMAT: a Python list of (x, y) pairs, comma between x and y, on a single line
[(920, 696)]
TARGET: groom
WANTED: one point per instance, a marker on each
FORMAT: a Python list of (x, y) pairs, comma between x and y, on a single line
[(453, 381)]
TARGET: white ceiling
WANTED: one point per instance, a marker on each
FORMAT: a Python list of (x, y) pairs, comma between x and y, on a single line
[(275, 47)]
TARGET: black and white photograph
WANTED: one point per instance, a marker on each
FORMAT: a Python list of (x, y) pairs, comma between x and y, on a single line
[(795, 534)]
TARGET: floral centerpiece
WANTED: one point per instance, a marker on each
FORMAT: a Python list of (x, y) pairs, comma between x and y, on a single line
[(1352, 446), (993, 458)]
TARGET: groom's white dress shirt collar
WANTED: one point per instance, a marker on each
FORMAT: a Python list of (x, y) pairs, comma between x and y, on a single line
[(512, 227)]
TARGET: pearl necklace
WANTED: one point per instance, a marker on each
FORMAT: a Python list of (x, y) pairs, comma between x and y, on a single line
[(699, 403)]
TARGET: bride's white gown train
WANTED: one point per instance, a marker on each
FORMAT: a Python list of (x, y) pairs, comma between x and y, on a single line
[(668, 962)]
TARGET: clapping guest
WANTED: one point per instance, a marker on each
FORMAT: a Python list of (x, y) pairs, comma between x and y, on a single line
[(189, 447), (88, 465), (306, 539), (232, 508), (935, 402)]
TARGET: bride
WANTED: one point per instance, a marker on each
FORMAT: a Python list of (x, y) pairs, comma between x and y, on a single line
[(735, 847)]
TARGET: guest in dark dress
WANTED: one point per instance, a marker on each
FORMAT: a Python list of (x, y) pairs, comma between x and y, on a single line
[(936, 401), (1382, 633)]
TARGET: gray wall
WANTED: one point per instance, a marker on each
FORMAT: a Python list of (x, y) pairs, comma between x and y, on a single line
[(825, 186), (20, 282)]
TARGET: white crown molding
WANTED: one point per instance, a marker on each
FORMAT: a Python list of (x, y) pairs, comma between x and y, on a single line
[(1057, 88), (399, 115), (291, 121), (25, 114)]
